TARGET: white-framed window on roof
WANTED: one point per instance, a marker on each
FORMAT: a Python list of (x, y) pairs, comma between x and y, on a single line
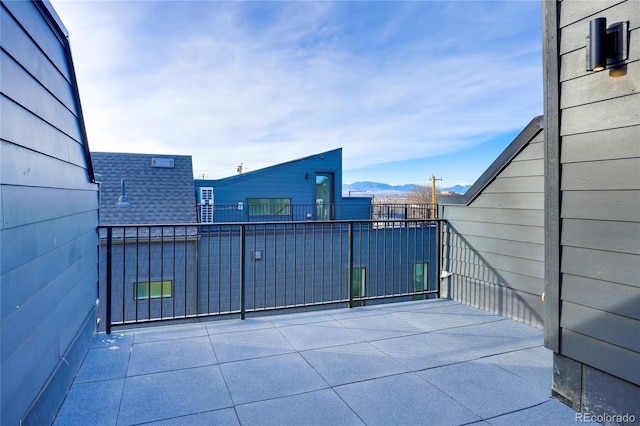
[(206, 204)]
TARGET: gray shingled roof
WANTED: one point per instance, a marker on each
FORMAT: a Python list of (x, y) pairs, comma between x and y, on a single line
[(156, 194)]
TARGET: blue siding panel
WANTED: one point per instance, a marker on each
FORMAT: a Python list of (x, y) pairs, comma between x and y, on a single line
[(22, 283), (25, 51), (48, 262), (27, 91), (44, 237), (27, 203), (294, 180), (24, 167), (48, 38), (29, 130)]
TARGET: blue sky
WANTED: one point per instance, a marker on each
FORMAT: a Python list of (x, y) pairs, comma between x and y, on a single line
[(407, 89)]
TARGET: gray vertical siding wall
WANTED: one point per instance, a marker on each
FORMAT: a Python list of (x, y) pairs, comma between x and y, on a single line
[(494, 246), (594, 182), (48, 207)]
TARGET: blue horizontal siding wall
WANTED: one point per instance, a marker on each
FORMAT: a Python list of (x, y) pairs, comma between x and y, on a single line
[(49, 215), (294, 180)]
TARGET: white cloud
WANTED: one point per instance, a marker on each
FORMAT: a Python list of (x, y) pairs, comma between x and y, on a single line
[(228, 84)]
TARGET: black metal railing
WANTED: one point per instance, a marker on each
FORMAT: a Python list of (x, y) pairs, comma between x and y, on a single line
[(151, 273), (363, 209)]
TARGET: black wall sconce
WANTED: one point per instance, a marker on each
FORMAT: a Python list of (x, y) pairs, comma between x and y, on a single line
[(607, 47)]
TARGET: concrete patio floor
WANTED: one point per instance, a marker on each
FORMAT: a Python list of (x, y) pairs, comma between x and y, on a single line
[(427, 362)]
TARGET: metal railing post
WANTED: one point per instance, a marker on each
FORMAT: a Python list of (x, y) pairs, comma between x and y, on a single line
[(439, 252), (350, 266), (242, 272), (445, 256), (107, 318)]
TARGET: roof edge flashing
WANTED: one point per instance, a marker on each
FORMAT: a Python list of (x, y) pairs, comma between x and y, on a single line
[(534, 127)]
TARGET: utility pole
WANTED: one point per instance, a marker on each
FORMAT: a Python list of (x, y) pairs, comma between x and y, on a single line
[(434, 198)]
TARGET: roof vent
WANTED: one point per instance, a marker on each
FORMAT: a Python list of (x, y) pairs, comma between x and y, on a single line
[(166, 163)]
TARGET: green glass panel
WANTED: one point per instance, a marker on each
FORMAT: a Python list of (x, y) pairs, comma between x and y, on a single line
[(142, 290), (153, 289), (421, 276), (358, 282)]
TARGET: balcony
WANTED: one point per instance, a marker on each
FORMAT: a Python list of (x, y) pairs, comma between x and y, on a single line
[(419, 362), (190, 272), (289, 324)]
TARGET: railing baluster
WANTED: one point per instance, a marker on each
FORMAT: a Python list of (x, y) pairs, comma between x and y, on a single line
[(149, 249), (124, 272), (295, 265), (264, 263), (108, 283), (284, 266), (173, 272), (137, 277), (162, 272), (304, 264), (350, 266), (242, 272), (208, 265), (185, 249)]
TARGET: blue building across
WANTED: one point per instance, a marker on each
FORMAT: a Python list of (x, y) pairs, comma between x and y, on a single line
[(308, 188)]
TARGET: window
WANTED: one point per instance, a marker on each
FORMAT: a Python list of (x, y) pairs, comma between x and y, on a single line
[(324, 196), (152, 289), (206, 205), (269, 206), (421, 276), (358, 282)]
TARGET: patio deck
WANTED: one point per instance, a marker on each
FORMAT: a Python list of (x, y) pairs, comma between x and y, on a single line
[(425, 362)]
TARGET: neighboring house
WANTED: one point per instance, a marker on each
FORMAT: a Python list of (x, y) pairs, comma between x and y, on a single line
[(592, 209), (147, 189), (49, 215), (291, 264), (158, 188), (309, 188), (494, 239)]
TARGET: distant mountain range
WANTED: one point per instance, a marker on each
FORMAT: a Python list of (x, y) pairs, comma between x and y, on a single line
[(384, 188)]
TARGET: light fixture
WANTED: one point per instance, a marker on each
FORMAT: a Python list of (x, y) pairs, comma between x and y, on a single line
[(123, 200), (445, 274), (606, 47)]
